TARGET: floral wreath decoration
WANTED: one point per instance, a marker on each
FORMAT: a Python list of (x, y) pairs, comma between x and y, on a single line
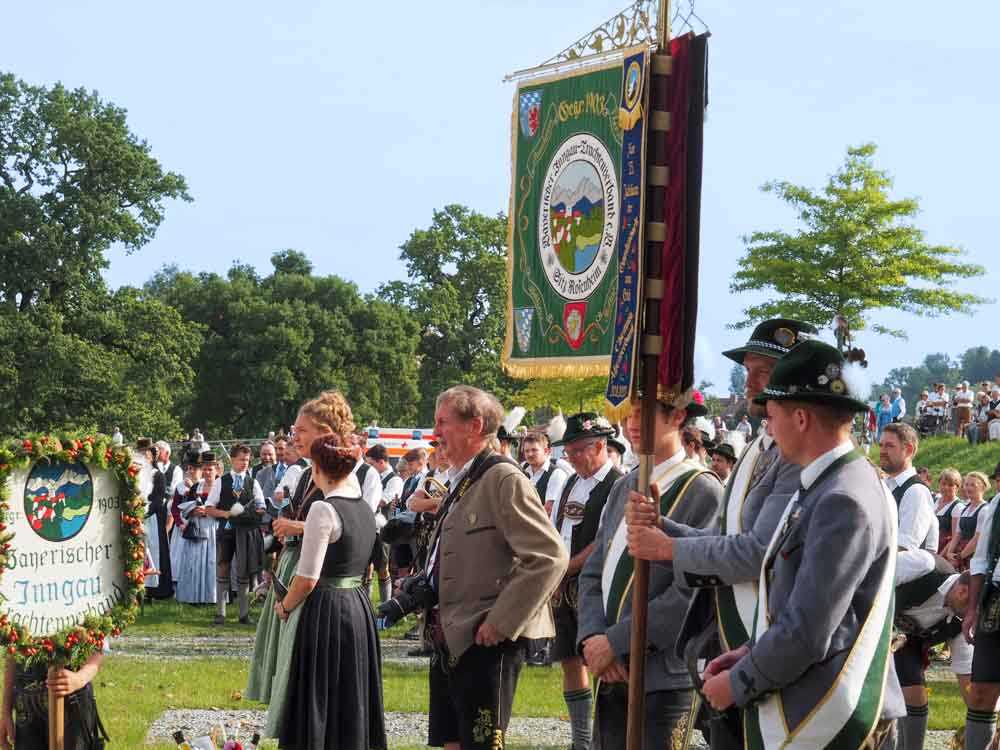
[(72, 646)]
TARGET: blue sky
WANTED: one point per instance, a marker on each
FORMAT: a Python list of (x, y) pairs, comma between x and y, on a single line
[(338, 131)]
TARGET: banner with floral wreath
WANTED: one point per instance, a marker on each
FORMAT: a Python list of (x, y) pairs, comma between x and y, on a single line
[(71, 546)]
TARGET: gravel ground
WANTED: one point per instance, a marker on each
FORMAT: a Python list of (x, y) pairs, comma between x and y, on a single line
[(233, 647), (401, 728)]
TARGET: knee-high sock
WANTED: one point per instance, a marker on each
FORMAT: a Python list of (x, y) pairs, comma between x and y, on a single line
[(243, 596), (580, 705), (221, 594), (913, 728), (979, 728), (385, 589)]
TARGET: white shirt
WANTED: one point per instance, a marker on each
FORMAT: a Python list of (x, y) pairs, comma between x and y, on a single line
[(918, 526), (393, 488), (937, 403), (980, 558), (371, 491), (290, 479), (553, 491), (964, 398), (323, 527), (922, 406), (258, 493), (173, 480), (812, 472), (580, 493), (746, 428)]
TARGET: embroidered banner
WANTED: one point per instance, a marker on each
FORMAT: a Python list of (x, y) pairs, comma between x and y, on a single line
[(566, 219), (632, 120)]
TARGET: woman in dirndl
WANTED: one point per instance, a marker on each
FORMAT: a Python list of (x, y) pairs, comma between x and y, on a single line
[(334, 698), (949, 507), (963, 546), (196, 554), (327, 414)]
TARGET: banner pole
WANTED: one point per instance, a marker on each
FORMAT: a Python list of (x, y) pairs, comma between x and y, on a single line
[(651, 351), (57, 724)]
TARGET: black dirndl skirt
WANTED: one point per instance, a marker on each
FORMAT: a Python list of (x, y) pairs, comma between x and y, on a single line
[(334, 697)]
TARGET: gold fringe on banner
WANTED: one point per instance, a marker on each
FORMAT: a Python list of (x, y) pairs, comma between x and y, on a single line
[(584, 367)]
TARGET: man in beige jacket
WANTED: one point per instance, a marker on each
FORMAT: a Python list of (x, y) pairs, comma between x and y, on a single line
[(495, 561)]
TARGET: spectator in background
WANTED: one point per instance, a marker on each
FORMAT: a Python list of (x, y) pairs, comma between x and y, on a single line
[(883, 415), (949, 508), (962, 402), (994, 413), (925, 475), (922, 406), (745, 428), (723, 460), (266, 453), (117, 438), (547, 477), (978, 429), (898, 405)]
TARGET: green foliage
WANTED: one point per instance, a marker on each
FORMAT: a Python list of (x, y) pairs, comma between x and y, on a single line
[(457, 292), (571, 395), (73, 181), (858, 253), (271, 343)]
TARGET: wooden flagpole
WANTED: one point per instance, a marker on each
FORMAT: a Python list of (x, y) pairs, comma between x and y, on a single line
[(651, 348), (57, 724)]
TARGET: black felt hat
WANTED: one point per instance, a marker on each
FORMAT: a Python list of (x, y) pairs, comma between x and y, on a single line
[(586, 425), (814, 372), (615, 441), (208, 457), (144, 444), (773, 338), (725, 450)]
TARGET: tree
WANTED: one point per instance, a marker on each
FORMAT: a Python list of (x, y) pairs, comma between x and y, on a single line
[(737, 380), (457, 291), (73, 181), (858, 253), (272, 342)]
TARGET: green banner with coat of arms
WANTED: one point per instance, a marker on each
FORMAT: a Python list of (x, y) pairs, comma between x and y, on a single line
[(565, 220)]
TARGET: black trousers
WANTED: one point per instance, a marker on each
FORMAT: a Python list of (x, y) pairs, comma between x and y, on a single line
[(471, 698), (668, 716)]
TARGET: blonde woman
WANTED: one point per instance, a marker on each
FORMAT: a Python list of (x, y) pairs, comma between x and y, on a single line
[(327, 414), (963, 545), (949, 507)]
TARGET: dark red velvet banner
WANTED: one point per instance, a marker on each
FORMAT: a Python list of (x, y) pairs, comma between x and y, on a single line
[(681, 212)]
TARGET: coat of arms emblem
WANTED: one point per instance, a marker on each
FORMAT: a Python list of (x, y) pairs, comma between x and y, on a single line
[(530, 109)]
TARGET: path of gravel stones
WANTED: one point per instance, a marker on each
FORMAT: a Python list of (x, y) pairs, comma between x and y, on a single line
[(402, 728)]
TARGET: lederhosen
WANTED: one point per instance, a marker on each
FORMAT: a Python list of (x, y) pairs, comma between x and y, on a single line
[(238, 540), (471, 696), (912, 658), (83, 727), (564, 601)]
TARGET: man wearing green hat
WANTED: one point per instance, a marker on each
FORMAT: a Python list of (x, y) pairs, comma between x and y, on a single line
[(690, 494), (816, 672), (723, 561), (576, 516)]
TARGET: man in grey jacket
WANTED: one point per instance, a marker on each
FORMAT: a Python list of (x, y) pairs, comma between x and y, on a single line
[(690, 494), (723, 561), (827, 579)]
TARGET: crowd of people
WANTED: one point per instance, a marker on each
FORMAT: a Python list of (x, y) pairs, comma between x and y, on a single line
[(968, 411), (795, 594)]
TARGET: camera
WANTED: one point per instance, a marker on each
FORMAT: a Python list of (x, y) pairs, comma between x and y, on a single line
[(415, 593)]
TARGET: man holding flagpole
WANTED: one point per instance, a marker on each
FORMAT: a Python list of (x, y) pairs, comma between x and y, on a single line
[(816, 670), (691, 494)]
